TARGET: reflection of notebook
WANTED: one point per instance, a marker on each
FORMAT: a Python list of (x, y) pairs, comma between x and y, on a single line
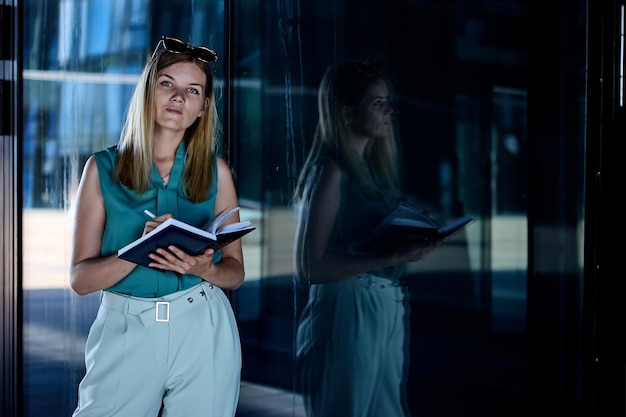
[(406, 225), (453, 227)]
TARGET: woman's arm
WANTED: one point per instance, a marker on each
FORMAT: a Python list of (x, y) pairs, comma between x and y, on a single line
[(89, 271), (315, 226)]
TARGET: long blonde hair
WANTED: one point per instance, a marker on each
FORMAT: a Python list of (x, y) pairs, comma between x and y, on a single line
[(345, 85), (134, 160)]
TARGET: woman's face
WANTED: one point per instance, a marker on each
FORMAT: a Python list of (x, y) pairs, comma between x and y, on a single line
[(372, 117), (180, 96)]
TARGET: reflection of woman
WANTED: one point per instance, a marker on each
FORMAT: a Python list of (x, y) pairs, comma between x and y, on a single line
[(165, 337), (351, 336)]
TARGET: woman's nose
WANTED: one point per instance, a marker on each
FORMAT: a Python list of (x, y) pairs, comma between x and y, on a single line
[(177, 96), (391, 109)]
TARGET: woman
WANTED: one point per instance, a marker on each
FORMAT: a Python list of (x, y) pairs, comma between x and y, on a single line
[(351, 335), (165, 338)]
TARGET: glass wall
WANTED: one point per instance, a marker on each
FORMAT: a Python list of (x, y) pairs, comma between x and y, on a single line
[(490, 123)]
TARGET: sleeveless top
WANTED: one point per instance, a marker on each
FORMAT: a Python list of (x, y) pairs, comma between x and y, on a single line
[(125, 221), (356, 217)]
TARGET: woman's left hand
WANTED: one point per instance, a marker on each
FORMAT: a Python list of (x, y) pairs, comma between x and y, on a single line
[(176, 260)]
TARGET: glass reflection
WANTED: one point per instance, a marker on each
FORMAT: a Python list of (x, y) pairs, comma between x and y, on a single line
[(352, 337)]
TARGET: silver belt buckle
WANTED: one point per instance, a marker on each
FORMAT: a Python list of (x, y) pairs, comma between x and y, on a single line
[(166, 305)]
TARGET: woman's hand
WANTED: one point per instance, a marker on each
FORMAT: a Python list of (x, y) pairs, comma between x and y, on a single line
[(176, 260), (155, 222)]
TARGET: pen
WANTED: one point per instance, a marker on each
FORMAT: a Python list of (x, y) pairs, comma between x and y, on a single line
[(149, 214)]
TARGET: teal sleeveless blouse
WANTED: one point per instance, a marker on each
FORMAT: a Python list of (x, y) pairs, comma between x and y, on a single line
[(125, 221)]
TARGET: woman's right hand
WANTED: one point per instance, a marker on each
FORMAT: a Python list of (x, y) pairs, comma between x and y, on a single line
[(154, 223)]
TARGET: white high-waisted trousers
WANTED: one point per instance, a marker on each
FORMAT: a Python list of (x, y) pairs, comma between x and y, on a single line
[(181, 353), (352, 348)]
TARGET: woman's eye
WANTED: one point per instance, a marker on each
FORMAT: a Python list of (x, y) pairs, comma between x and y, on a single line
[(193, 91), (166, 83)]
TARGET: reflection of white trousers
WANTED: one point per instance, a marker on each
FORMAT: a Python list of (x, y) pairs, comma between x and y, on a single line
[(352, 348), (137, 360)]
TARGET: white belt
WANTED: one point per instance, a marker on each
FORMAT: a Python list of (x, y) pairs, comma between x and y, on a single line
[(155, 310)]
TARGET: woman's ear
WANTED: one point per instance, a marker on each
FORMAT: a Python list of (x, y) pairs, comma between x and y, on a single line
[(207, 102)]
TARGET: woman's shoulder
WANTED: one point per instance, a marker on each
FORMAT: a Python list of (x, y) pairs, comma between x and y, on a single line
[(108, 153), (221, 165), (219, 160), (328, 171), (105, 158), (328, 164)]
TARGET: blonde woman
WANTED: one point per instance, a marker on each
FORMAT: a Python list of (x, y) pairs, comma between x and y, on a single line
[(165, 338), (351, 335)]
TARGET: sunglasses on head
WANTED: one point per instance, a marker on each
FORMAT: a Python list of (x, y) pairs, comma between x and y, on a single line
[(177, 46)]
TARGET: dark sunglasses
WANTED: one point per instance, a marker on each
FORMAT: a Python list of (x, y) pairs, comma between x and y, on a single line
[(177, 46)]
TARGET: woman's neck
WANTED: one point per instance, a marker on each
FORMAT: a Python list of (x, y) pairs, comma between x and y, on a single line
[(165, 145), (164, 153), (359, 144)]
